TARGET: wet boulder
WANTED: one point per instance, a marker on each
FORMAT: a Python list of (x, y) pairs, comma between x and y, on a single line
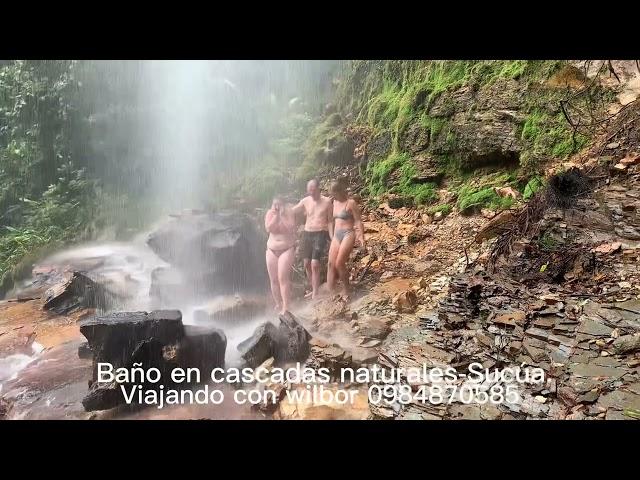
[(220, 252), (103, 396), (259, 346), (293, 340), (202, 348), (289, 342), (123, 338), (156, 339), (76, 291)]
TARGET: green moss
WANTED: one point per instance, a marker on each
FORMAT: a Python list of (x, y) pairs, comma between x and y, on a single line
[(320, 136), (484, 198), (378, 172), (445, 208), (378, 179), (548, 136), (532, 187)]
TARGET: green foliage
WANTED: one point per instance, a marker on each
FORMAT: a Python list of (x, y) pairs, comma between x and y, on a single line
[(44, 198), (547, 241), (468, 198), (403, 168), (65, 212), (406, 94), (547, 135), (532, 187), (445, 208), (378, 172)]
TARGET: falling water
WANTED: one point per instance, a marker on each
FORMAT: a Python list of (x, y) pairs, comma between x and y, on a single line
[(166, 136)]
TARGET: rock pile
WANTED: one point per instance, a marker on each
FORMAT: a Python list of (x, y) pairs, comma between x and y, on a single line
[(155, 339)]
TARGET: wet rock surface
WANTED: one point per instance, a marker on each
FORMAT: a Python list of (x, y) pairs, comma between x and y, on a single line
[(230, 309), (217, 253), (76, 292), (288, 342), (155, 339)]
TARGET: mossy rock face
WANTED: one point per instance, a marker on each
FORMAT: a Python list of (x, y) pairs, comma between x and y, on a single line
[(427, 169), (399, 201), (415, 139), (379, 146), (486, 126), (338, 151), (333, 120)]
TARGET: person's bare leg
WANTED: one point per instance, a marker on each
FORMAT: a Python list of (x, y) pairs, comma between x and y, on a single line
[(272, 268), (285, 262), (315, 278), (346, 246), (332, 273), (307, 267)]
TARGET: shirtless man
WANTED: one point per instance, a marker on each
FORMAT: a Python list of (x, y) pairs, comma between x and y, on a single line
[(318, 231)]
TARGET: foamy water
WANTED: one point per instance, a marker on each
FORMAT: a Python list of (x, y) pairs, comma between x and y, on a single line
[(11, 366)]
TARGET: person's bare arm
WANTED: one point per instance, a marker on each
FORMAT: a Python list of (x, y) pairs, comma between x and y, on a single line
[(271, 219), (299, 207), (357, 223), (330, 221)]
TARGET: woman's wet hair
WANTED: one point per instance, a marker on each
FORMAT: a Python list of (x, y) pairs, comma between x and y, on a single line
[(338, 186)]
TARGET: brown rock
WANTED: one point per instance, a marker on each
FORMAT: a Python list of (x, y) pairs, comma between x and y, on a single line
[(633, 159), (508, 192), (544, 322), (405, 302)]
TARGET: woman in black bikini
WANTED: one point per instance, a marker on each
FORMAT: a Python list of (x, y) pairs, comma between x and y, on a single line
[(280, 223), (347, 230)]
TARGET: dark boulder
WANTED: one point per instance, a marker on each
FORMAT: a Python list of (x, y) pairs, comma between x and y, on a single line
[(220, 252), (293, 340), (259, 346), (73, 293), (103, 396), (202, 348), (289, 342), (148, 340), (126, 337)]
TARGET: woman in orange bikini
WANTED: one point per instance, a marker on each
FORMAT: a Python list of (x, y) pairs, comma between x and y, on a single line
[(347, 230), (281, 225)]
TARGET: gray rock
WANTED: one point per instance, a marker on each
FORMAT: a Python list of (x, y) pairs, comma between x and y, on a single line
[(260, 346), (590, 370), (626, 344), (77, 291), (202, 348), (221, 251), (591, 327), (293, 340)]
